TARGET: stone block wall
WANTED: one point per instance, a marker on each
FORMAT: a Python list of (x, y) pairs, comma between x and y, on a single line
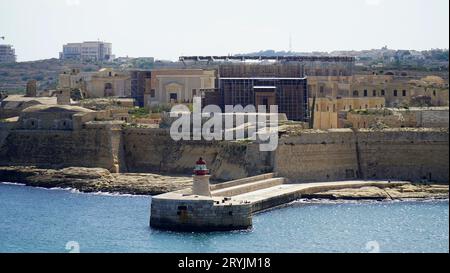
[(153, 150), (198, 215), (317, 156), (434, 118), (309, 156), (57, 149), (406, 154)]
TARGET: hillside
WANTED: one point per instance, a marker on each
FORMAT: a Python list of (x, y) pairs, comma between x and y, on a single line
[(13, 77)]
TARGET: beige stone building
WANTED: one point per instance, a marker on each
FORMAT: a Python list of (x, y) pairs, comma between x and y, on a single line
[(103, 83), (397, 91), (13, 105), (331, 112), (109, 83), (177, 85), (336, 95)]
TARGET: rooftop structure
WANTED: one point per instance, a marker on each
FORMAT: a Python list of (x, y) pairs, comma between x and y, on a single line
[(275, 58)]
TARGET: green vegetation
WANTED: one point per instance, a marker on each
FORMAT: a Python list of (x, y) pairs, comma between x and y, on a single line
[(160, 108), (365, 112), (141, 112)]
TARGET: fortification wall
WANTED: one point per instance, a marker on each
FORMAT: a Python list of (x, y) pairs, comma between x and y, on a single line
[(433, 118), (153, 150), (57, 149), (407, 154), (317, 156), (310, 156)]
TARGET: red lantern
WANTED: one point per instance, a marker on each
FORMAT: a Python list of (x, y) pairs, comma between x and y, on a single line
[(200, 167)]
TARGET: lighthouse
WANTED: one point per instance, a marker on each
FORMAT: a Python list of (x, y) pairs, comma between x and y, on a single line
[(201, 179)]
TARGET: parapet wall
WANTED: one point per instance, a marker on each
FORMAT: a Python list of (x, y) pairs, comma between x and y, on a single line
[(342, 154)]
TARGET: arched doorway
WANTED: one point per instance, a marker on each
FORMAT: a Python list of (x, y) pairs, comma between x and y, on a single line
[(108, 91)]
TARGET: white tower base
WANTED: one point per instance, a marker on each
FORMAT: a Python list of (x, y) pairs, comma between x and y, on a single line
[(201, 185)]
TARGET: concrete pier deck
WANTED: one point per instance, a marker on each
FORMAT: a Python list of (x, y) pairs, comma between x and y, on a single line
[(233, 203)]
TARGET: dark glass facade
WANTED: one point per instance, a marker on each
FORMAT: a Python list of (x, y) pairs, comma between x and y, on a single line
[(290, 94)]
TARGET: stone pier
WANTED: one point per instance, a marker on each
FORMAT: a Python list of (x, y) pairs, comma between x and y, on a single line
[(232, 204)]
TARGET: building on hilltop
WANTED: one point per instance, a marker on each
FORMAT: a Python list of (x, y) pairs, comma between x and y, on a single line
[(7, 54), (87, 51)]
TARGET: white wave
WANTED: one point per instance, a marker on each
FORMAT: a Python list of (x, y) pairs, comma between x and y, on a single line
[(12, 183), (102, 193)]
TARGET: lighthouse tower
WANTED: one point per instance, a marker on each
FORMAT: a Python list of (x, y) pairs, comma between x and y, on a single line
[(201, 179)]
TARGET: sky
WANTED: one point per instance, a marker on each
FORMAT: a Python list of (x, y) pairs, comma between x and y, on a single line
[(167, 29)]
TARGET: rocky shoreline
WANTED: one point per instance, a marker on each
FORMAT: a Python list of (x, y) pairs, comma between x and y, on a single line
[(94, 180), (101, 180), (403, 192)]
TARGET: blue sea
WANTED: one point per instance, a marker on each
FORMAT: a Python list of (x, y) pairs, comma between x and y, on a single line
[(54, 220)]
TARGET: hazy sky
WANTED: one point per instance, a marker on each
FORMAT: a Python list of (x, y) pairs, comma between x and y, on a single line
[(167, 29)]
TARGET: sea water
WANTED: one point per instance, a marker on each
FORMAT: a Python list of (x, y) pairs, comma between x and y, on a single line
[(55, 220)]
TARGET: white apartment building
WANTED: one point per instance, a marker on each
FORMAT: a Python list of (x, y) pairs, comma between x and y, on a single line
[(95, 51), (7, 54)]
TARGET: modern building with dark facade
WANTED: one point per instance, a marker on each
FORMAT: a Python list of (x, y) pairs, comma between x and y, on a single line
[(279, 84), (139, 81)]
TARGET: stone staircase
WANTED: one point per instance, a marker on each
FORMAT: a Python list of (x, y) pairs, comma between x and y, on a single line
[(246, 185)]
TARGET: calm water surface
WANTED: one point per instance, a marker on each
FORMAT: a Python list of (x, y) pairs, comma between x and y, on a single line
[(41, 220)]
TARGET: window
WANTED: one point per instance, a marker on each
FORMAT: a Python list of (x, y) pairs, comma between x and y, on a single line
[(434, 93), (194, 92), (382, 92), (404, 93), (152, 93), (355, 93), (395, 93), (321, 89), (374, 93), (173, 96), (365, 93)]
